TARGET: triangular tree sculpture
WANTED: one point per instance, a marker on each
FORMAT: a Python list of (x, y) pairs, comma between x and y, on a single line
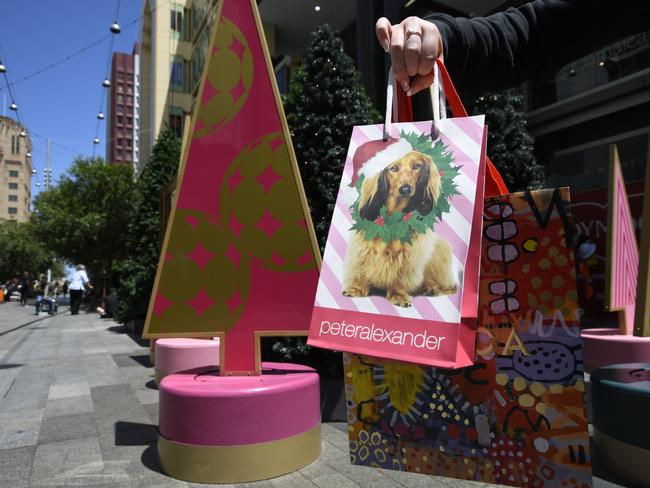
[(240, 258), (622, 249)]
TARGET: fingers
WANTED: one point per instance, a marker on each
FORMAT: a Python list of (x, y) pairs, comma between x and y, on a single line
[(397, 56), (412, 44), (420, 82), (383, 31), (430, 48)]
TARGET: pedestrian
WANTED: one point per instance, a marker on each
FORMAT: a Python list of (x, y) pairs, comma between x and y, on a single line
[(505, 49), (78, 284), (25, 286)]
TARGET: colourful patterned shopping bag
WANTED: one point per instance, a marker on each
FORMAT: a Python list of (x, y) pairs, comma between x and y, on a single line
[(517, 416)]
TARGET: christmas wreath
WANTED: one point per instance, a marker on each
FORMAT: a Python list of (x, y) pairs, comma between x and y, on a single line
[(402, 226)]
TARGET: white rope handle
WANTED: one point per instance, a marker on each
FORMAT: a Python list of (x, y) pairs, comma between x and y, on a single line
[(437, 93)]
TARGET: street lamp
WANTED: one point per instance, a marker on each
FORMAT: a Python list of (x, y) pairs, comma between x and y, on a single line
[(13, 106), (115, 28), (3, 69), (106, 83), (96, 140), (100, 115), (23, 133)]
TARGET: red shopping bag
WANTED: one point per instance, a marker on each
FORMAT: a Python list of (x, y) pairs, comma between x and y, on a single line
[(400, 272)]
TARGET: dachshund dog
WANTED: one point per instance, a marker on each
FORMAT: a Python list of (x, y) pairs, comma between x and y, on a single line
[(403, 270)]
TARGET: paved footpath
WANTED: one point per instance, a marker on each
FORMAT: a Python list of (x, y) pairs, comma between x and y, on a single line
[(78, 408)]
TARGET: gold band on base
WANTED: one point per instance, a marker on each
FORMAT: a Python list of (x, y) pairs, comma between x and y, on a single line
[(629, 462), (236, 464), (158, 376)]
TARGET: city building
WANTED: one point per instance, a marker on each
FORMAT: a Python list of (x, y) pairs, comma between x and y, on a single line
[(15, 171), (122, 124)]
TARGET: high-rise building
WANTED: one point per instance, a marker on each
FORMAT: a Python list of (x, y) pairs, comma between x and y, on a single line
[(15, 171), (122, 127)]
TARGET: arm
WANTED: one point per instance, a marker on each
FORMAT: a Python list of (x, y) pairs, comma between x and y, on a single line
[(507, 48), (532, 41), (86, 281)]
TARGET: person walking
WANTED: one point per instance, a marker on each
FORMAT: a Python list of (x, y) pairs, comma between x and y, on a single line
[(78, 284), (25, 286)]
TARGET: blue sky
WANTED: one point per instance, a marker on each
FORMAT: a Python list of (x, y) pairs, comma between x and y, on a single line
[(61, 103)]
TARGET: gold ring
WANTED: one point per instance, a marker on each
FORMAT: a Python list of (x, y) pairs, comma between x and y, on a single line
[(413, 32)]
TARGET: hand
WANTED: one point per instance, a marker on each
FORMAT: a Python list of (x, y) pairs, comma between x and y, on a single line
[(413, 44)]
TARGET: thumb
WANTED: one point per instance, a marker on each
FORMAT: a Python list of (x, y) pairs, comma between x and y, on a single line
[(383, 31)]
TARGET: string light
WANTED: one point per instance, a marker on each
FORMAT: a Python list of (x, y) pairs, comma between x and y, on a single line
[(115, 29), (82, 49)]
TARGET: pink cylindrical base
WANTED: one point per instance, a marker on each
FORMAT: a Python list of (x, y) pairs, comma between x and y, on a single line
[(179, 354), (602, 347), (210, 410)]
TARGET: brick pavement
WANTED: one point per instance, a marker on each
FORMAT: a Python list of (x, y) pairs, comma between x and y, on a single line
[(78, 408)]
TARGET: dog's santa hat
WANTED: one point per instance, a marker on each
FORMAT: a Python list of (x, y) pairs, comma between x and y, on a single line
[(371, 158)]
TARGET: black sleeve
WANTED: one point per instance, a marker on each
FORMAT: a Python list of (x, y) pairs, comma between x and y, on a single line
[(534, 40)]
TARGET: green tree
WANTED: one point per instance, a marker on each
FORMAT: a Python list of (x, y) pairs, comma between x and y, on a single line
[(509, 145), (21, 250), (84, 217), (138, 270), (325, 100)]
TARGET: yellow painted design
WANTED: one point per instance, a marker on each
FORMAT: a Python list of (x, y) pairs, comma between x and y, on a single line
[(536, 282), (556, 388), (229, 75), (561, 260), (557, 282), (537, 389), (404, 382), (544, 263), (530, 245), (248, 201), (519, 383), (501, 379), (517, 346), (526, 400)]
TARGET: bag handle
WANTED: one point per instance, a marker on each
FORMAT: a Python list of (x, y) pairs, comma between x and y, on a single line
[(439, 92), (494, 184)]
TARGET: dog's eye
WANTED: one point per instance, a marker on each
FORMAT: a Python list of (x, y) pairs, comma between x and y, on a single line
[(394, 169), (417, 165)]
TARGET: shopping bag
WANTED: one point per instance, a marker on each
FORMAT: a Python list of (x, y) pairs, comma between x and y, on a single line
[(517, 416), (399, 277)]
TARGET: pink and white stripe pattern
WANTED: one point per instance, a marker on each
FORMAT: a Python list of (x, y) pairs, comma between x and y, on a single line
[(463, 138)]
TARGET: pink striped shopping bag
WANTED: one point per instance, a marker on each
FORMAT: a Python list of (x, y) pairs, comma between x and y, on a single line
[(400, 273)]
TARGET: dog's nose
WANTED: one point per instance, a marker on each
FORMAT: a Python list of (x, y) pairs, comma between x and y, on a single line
[(405, 190)]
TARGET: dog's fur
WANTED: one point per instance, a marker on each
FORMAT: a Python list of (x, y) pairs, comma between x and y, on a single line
[(423, 267)]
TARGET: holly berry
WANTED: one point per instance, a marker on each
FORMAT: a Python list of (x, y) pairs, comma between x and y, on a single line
[(407, 216), (379, 220)]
